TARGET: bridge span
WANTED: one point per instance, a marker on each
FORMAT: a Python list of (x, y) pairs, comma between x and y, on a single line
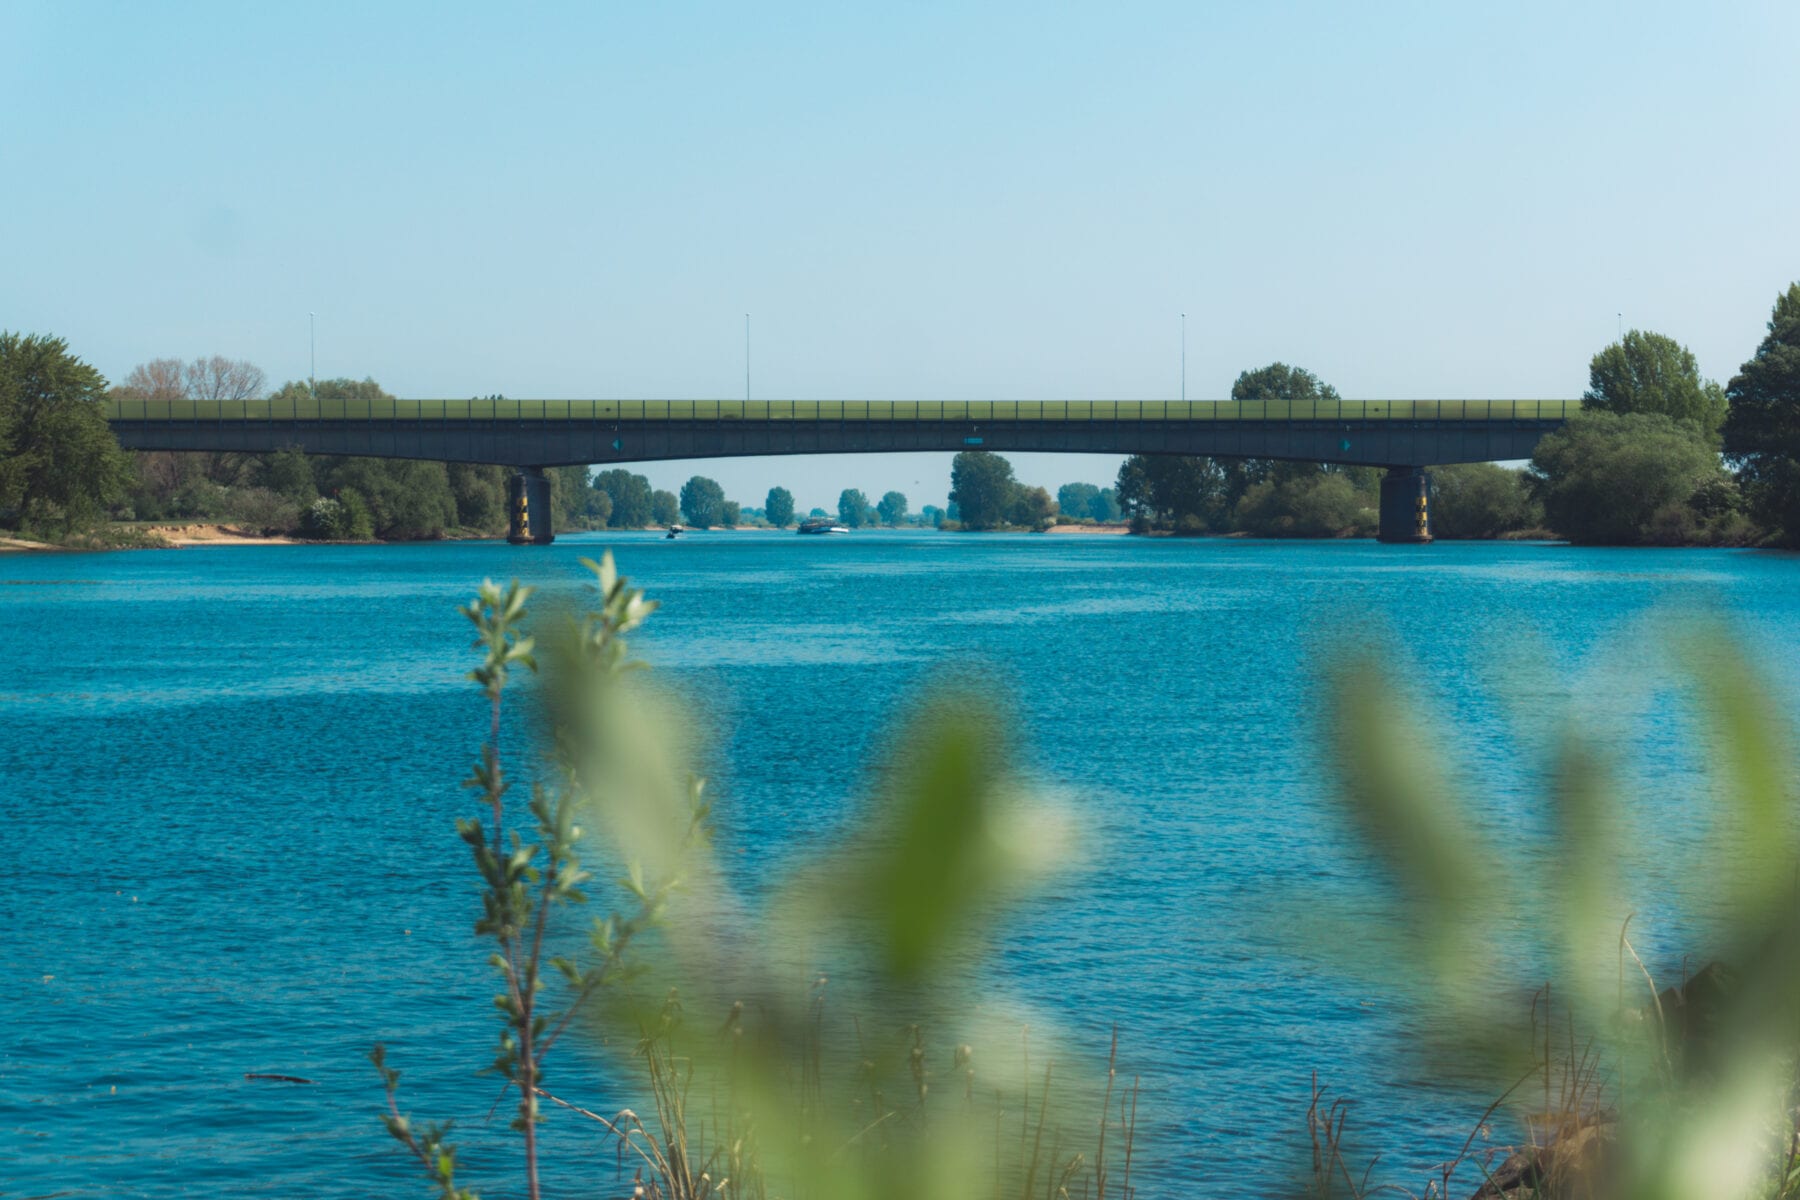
[(1403, 436)]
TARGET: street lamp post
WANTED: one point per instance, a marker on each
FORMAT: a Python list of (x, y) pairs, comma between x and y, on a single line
[(1184, 358), (312, 356)]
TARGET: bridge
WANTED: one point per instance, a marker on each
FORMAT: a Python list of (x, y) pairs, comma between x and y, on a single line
[(1403, 436)]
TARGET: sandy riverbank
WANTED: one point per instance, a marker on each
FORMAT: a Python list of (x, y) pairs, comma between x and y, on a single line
[(1088, 529), (216, 535)]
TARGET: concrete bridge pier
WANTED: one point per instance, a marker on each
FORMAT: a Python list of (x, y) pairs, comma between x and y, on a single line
[(528, 506), (1405, 505)]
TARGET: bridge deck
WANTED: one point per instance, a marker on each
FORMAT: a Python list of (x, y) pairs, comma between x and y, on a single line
[(547, 433), (122, 410)]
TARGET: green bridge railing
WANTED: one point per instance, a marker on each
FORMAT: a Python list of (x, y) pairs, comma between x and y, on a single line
[(307, 409)]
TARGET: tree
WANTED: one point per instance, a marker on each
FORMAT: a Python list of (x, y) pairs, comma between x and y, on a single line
[(1762, 430), (779, 507), (1649, 373), (158, 379), (1076, 500), (288, 473), (730, 513), (1611, 479), (574, 504), (1105, 506), (630, 497), (1031, 506), (221, 378), (60, 465), (408, 500), (818, 512), (981, 489), (1481, 500), (932, 515), (1278, 381), (892, 509), (854, 509), (1311, 506), (479, 493), (1168, 487), (702, 500), (664, 510)]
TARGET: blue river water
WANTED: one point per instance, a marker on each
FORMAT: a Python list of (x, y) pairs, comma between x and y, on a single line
[(231, 774)]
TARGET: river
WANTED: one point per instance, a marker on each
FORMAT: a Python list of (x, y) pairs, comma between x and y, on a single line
[(231, 774)]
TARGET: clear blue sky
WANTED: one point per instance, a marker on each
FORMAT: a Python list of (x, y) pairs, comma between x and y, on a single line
[(1412, 200)]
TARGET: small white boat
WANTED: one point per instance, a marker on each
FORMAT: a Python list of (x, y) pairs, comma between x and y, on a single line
[(821, 525)]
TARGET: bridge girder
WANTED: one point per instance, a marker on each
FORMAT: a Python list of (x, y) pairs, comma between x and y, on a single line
[(547, 443)]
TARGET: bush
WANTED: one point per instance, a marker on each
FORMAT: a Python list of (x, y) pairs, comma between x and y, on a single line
[(1481, 500), (1608, 479), (1312, 506)]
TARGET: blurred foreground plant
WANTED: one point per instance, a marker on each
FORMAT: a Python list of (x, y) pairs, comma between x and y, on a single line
[(1624, 1090), (770, 1091)]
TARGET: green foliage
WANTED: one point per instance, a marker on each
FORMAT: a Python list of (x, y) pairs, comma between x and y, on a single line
[(854, 509), (1481, 500), (790, 1096), (1105, 506), (1077, 499), (1167, 487), (288, 473), (779, 507), (60, 466), (1762, 430), (663, 508), (407, 499), (1278, 381), (632, 506), (574, 504), (1606, 479), (1649, 373), (730, 513), (341, 518), (702, 501), (479, 493), (981, 489), (1658, 1096), (892, 508), (1031, 506), (1326, 504)]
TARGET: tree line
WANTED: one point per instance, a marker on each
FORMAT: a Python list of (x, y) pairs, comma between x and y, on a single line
[(1657, 455)]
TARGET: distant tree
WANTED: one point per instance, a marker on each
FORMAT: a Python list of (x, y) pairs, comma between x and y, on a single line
[(1278, 381), (1312, 506), (818, 512), (60, 465), (854, 509), (221, 378), (1607, 479), (1649, 373), (574, 504), (730, 513), (701, 501), (892, 509), (479, 493), (1105, 506), (632, 506), (1762, 431), (159, 379), (1168, 487), (1481, 500), (407, 500), (932, 515), (289, 473), (981, 488), (1031, 506), (1076, 500), (779, 507), (664, 510), (331, 389)]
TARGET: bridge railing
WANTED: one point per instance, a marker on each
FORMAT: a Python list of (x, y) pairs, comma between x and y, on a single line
[(308, 409)]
